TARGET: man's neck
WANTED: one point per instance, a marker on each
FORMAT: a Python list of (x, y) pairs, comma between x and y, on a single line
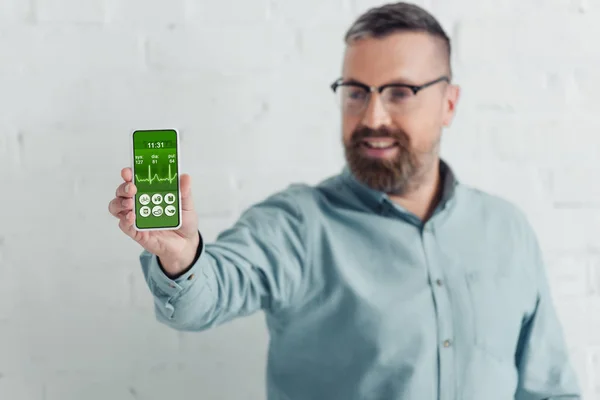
[(423, 199)]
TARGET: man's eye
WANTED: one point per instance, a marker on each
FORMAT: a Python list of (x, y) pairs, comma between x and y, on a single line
[(400, 93), (356, 94)]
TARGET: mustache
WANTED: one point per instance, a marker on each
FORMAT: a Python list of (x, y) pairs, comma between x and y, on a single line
[(364, 132)]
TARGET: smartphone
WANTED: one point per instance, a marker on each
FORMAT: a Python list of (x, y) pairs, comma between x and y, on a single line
[(155, 166)]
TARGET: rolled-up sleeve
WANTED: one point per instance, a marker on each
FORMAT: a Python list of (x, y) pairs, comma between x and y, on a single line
[(545, 368), (256, 264)]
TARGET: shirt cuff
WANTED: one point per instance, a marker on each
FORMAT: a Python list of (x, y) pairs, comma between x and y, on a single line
[(172, 287)]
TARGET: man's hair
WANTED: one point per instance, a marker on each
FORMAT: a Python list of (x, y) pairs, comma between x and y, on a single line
[(398, 17)]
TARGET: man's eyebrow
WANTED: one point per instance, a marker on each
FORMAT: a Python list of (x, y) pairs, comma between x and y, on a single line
[(393, 82), (400, 82), (352, 80)]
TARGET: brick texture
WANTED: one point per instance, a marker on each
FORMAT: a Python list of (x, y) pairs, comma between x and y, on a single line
[(246, 83)]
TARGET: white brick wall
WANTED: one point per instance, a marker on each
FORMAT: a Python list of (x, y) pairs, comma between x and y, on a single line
[(247, 84)]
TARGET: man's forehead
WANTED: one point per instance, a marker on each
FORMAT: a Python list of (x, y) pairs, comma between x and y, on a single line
[(408, 55)]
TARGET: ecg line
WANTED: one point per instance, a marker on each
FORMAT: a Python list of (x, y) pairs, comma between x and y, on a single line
[(151, 178)]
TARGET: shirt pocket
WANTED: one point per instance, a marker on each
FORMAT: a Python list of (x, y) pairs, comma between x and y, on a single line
[(496, 319)]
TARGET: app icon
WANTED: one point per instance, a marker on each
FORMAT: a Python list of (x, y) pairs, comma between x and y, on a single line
[(157, 211), (144, 199), (157, 198), (169, 198), (145, 211), (170, 210)]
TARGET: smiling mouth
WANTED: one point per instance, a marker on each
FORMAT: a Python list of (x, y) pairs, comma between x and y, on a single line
[(379, 143), (379, 147)]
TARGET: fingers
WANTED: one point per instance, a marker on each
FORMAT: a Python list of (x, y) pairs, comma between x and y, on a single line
[(126, 220), (123, 201), (120, 206), (127, 174), (185, 182), (126, 189)]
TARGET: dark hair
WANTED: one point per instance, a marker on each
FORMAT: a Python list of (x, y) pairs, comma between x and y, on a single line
[(398, 17)]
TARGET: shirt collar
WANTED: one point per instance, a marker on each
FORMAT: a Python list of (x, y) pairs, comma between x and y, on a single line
[(377, 198)]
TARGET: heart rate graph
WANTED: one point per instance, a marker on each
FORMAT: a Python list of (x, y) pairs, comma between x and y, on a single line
[(156, 170), (156, 178)]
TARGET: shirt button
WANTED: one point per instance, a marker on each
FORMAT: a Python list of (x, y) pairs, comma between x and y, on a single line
[(191, 277), (439, 282), (447, 343), (171, 285)]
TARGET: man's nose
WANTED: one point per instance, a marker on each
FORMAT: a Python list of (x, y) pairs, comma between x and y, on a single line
[(375, 114)]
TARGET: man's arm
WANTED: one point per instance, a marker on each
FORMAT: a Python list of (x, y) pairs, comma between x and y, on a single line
[(255, 264), (545, 370)]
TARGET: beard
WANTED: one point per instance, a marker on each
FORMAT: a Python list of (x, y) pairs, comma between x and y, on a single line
[(396, 175)]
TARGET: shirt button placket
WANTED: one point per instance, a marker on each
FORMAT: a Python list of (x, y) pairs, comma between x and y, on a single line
[(443, 309)]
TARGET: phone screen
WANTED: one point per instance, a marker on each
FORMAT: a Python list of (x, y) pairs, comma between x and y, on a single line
[(156, 176)]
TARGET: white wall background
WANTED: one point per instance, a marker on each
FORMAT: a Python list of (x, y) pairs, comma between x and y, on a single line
[(246, 82)]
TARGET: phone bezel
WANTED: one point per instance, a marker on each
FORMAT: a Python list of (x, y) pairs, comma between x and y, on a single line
[(132, 163)]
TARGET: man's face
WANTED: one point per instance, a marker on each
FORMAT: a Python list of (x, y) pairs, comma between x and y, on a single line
[(394, 140)]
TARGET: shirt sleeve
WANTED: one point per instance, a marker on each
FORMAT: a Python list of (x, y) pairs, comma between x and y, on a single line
[(257, 264), (545, 370)]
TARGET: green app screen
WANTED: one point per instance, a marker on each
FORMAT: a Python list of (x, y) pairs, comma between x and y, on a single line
[(156, 178)]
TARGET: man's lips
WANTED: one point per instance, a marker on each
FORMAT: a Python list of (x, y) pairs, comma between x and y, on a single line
[(379, 149), (379, 142)]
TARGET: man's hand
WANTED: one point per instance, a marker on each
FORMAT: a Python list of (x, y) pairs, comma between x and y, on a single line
[(175, 248)]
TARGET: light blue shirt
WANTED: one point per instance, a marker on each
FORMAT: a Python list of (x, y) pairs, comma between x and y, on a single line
[(364, 301)]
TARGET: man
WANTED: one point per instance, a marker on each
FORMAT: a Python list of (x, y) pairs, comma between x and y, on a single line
[(390, 280)]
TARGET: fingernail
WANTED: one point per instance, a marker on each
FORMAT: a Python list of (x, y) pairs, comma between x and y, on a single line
[(126, 188), (123, 203)]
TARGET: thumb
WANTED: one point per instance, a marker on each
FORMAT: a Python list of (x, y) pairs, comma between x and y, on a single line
[(187, 204)]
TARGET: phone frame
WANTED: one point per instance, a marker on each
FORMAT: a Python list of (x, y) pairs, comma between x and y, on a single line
[(132, 161)]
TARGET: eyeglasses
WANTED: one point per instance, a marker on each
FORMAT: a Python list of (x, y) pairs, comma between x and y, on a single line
[(397, 98)]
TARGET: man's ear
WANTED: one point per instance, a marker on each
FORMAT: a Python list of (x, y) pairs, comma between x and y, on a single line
[(451, 101)]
